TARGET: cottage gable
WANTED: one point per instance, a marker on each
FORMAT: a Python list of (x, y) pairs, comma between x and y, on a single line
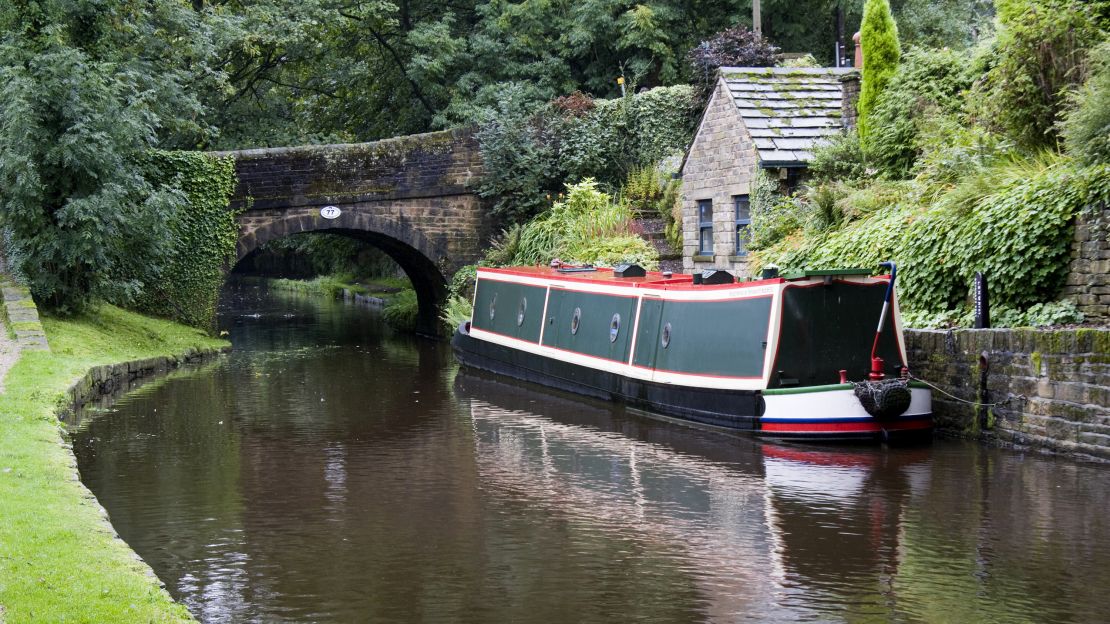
[(757, 117), (718, 166)]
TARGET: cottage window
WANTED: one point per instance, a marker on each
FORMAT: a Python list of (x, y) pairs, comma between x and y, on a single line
[(742, 207), (705, 227)]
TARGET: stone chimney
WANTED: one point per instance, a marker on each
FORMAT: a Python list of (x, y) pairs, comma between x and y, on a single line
[(849, 87)]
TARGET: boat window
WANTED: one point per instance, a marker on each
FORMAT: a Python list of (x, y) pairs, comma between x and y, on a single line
[(666, 335), (614, 327), (575, 320), (492, 306), (521, 311)]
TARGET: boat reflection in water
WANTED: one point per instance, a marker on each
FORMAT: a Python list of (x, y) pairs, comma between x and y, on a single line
[(778, 532)]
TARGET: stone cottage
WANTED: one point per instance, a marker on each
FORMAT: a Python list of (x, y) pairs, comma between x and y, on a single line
[(757, 117)]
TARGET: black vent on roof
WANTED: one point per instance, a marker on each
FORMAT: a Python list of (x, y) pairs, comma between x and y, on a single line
[(629, 270)]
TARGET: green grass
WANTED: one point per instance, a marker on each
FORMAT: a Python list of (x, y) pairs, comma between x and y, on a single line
[(59, 559), (333, 285)]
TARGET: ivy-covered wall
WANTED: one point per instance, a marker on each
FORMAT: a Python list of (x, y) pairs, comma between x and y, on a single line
[(205, 233)]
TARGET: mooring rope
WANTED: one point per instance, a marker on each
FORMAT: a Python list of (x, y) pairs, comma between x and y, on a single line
[(942, 391)]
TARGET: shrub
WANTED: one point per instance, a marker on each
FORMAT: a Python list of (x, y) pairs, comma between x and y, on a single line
[(456, 312), (774, 217), (840, 158), (940, 246), (519, 151), (1039, 55), (927, 82), (879, 40), (529, 154), (402, 310), (587, 227), (1086, 127), (735, 47)]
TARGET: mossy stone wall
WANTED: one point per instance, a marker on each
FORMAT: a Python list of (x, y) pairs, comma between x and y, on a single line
[(1051, 387), (1088, 280)]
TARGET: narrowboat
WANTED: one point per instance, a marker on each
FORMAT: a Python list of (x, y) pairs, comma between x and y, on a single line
[(790, 356)]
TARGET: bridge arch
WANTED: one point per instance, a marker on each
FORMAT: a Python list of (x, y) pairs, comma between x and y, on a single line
[(414, 197), (408, 247)]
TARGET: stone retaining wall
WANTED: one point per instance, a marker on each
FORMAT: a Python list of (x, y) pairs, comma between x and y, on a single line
[(113, 379), (1088, 281), (1051, 387)]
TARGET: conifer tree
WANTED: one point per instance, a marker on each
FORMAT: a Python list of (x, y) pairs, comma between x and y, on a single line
[(879, 39)]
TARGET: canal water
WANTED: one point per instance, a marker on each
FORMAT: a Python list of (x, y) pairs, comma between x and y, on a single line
[(331, 471)]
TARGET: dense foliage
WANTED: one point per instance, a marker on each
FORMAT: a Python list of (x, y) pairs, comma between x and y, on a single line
[(1040, 54), (77, 214), (927, 82), (1086, 128), (881, 51), (203, 234), (588, 227), (531, 153)]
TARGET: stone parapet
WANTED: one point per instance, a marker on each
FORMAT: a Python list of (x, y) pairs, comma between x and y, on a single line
[(1044, 388)]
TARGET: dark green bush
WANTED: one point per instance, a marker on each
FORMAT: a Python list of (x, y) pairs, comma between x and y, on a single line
[(841, 158), (927, 82), (402, 311), (530, 154)]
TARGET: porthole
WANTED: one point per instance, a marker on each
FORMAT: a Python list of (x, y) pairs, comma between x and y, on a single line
[(614, 327), (666, 340), (575, 320), (492, 306), (520, 312)]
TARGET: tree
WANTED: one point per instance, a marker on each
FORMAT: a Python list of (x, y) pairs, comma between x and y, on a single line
[(881, 51), (87, 91)]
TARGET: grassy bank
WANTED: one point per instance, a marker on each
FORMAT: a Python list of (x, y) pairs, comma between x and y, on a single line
[(334, 285), (59, 559)]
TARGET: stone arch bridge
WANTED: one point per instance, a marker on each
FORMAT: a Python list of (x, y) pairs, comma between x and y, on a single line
[(414, 197)]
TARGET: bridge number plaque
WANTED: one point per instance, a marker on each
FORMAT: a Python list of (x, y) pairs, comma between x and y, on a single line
[(330, 212)]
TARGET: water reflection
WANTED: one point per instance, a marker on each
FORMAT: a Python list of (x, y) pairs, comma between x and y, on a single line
[(331, 471)]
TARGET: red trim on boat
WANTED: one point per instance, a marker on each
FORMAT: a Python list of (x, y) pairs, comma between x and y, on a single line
[(872, 426)]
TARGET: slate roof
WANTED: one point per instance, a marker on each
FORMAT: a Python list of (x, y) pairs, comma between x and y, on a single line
[(787, 110)]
